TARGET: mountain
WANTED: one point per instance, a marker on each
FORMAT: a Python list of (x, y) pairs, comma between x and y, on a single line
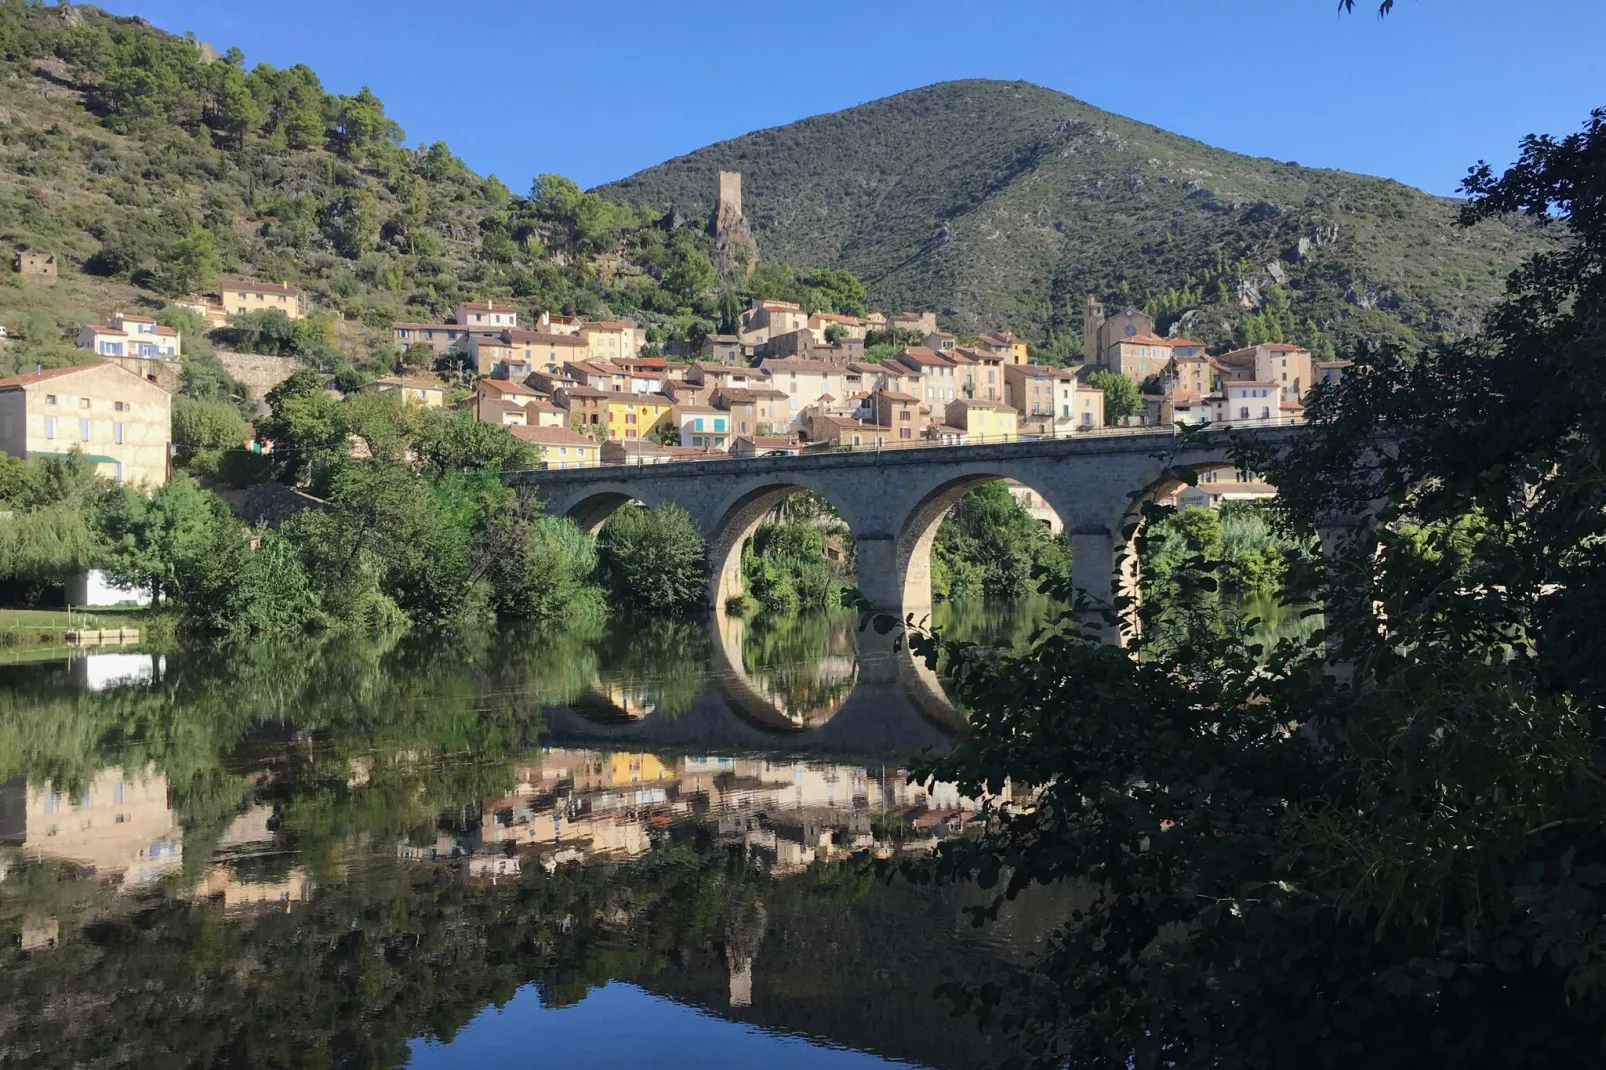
[(1004, 204)]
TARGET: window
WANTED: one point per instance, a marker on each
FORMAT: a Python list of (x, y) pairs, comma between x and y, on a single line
[(903, 432), (50, 399), (1243, 412), (117, 433), (119, 406), (904, 415), (83, 430), (719, 423), (50, 427), (1265, 413), (697, 424)]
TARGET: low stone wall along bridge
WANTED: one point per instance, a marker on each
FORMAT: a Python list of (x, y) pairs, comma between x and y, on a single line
[(894, 500)]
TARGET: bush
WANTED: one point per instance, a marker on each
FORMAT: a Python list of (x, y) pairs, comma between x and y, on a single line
[(652, 559)]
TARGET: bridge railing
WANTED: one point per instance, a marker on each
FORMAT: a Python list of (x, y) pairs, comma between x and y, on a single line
[(881, 444)]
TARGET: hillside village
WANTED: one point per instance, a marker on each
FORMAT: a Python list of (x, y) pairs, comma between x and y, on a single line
[(593, 392)]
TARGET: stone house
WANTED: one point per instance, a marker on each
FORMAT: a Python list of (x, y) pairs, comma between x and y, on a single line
[(796, 343), (721, 349), (803, 382), (485, 315), (1289, 366), (587, 407), (941, 341), (239, 296), (437, 338), (852, 327), (938, 376), (612, 339), (922, 322), (636, 451), (121, 422), (764, 446), (1138, 356), (839, 431), (40, 267), (487, 351), (764, 320), (984, 377), (754, 411), (898, 411)]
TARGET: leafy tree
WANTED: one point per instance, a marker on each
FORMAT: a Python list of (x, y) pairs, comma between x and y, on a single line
[(149, 541), (989, 546), (1121, 397), (205, 428), (188, 264), (832, 290), (1382, 846), (690, 275), (652, 559), (541, 567), (307, 427)]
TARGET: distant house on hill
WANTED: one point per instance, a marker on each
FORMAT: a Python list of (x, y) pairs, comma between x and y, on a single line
[(37, 266), (239, 296), (130, 335)]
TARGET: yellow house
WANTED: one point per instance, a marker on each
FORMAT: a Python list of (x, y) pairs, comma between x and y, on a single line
[(120, 421), (248, 295), (611, 339), (984, 422), (430, 393), (560, 447), (635, 415)]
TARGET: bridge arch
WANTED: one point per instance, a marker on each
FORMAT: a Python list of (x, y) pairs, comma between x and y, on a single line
[(917, 531), (591, 506), (738, 516)]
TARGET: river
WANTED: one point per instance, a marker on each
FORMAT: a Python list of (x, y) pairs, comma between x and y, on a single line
[(621, 846)]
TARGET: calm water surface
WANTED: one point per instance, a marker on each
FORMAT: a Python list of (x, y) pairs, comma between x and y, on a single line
[(621, 846)]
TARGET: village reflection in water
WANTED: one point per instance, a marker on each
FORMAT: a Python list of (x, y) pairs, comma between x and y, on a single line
[(539, 805)]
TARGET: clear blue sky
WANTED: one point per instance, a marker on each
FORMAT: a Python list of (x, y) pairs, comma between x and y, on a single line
[(598, 89)]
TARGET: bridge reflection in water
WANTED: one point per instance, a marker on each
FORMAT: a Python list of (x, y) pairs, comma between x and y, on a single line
[(872, 697)]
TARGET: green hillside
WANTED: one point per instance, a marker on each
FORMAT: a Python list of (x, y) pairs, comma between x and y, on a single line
[(1003, 204), (149, 163)]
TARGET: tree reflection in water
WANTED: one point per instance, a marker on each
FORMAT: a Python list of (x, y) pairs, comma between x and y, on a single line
[(299, 854), (806, 663)]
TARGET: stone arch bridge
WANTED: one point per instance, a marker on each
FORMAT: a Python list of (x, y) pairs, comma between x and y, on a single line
[(893, 500)]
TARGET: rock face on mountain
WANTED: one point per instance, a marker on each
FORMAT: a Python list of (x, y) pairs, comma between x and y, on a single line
[(1003, 203)]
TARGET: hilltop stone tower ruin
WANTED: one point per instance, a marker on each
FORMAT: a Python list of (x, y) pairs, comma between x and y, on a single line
[(736, 253)]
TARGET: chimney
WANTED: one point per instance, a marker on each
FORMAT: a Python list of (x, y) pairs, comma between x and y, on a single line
[(39, 368)]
